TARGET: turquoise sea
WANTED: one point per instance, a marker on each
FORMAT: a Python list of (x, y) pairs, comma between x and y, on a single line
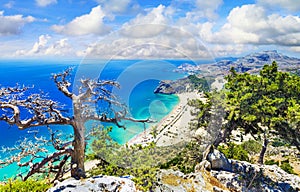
[(138, 79)]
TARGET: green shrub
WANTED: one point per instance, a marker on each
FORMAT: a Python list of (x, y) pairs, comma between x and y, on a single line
[(271, 162), (234, 151), (25, 186), (279, 142), (186, 160), (285, 165), (251, 146), (144, 177), (199, 83)]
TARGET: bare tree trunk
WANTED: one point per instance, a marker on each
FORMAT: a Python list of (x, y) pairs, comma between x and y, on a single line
[(263, 150), (77, 158), (223, 135)]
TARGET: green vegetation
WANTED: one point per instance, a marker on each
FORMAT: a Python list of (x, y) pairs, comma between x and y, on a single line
[(277, 142), (106, 149), (25, 186), (141, 162), (266, 104), (120, 160), (271, 162), (143, 177), (242, 152), (234, 151), (252, 147), (199, 83), (186, 160), (284, 165)]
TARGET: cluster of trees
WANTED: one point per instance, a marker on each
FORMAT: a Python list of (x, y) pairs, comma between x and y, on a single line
[(199, 83), (266, 105)]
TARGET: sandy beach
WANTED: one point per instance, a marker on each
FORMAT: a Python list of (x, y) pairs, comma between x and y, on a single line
[(174, 127)]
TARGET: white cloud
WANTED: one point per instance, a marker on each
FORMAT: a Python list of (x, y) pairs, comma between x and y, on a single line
[(60, 47), (149, 35), (250, 24), (40, 45), (195, 10), (9, 5), (117, 6), (149, 25), (91, 23), (12, 25), (44, 3), (170, 43), (208, 8), (291, 5), (295, 49), (42, 48)]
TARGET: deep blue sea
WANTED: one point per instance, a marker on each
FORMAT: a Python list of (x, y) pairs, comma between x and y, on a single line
[(138, 79)]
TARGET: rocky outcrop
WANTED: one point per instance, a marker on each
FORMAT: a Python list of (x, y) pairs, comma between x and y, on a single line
[(218, 161), (173, 87), (250, 177), (187, 84), (99, 183), (224, 175), (244, 176)]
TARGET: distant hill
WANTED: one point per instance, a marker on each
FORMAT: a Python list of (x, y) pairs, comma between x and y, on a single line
[(250, 63), (214, 72), (258, 60)]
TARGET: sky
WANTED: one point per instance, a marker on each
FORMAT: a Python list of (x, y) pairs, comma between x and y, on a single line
[(129, 29)]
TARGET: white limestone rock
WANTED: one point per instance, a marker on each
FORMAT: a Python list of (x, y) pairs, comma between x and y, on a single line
[(95, 184)]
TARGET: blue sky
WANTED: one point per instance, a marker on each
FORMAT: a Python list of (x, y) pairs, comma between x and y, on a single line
[(147, 29)]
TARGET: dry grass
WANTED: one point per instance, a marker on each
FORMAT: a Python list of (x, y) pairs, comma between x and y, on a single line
[(175, 180), (212, 181), (188, 184)]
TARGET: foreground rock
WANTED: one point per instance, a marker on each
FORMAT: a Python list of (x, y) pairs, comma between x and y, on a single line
[(250, 177), (100, 183), (244, 176), (225, 175), (176, 181)]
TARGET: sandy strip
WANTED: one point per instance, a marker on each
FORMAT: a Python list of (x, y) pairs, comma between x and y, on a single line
[(174, 127)]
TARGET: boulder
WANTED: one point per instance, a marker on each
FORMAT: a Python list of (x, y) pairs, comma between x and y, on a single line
[(246, 177), (218, 161), (98, 183)]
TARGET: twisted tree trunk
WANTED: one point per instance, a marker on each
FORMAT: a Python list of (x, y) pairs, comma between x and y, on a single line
[(77, 158), (263, 150)]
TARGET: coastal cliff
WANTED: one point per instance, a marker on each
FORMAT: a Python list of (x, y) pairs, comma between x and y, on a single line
[(187, 84)]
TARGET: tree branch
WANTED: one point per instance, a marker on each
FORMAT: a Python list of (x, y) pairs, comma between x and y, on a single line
[(37, 166), (62, 83)]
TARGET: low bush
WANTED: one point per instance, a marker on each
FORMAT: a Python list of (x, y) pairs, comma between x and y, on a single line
[(286, 166), (25, 186), (251, 146), (271, 162), (234, 151)]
